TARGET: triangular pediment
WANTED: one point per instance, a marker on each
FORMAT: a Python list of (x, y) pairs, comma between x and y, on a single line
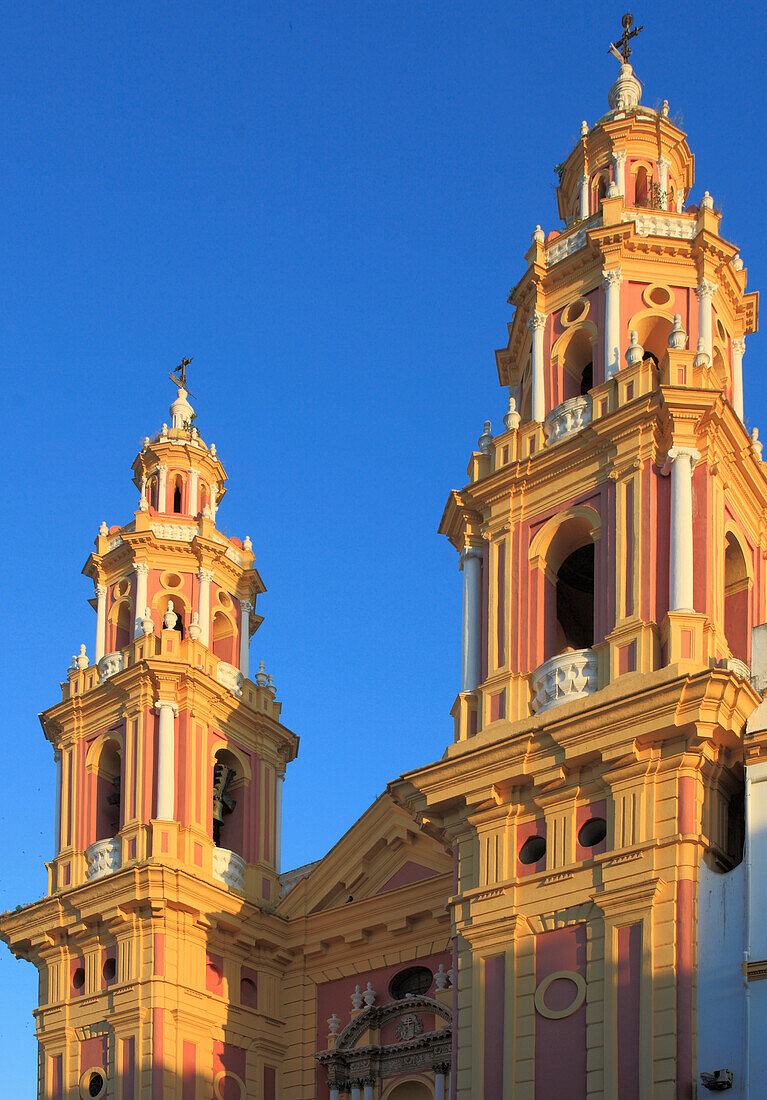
[(385, 850)]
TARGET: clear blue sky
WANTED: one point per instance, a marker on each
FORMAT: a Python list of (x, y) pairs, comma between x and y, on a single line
[(326, 205)]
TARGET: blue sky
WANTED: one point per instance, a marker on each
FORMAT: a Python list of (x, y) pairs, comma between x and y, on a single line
[(326, 205)]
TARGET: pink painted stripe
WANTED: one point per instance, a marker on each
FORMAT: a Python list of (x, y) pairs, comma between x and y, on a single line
[(129, 1068), (495, 975), (158, 1059), (684, 963), (629, 987)]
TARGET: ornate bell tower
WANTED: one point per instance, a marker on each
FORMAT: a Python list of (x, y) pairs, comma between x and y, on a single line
[(158, 958), (612, 539)]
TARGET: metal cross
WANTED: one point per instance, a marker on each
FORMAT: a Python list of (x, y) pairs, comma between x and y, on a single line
[(621, 47)]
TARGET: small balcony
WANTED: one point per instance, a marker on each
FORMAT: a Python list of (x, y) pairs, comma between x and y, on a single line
[(229, 868), (567, 419), (109, 664), (563, 678), (103, 857), (229, 677)]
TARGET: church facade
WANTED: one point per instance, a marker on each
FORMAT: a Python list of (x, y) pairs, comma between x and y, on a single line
[(570, 903)]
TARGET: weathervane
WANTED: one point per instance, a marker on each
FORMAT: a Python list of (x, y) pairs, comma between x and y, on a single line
[(179, 374), (621, 48)]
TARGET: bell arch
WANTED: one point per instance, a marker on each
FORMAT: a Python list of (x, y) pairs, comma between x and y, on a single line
[(652, 327), (103, 762), (737, 594), (573, 354)]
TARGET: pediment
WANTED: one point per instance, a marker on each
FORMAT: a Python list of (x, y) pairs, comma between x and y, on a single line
[(385, 850)]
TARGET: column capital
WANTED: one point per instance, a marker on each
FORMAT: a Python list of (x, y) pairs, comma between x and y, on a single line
[(246, 607), (471, 552), (584, 178), (664, 162), (611, 277), (205, 575), (536, 320), (101, 590), (141, 568), (162, 468), (619, 156), (706, 289), (441, 1067), (680, 452), (162, 704), (739, 345)]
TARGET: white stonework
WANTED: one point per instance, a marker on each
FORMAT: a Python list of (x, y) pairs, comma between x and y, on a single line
[(705, 292), (565, 244), (229, 677), (619, 169), (536, 324), (738, 351), (177, 532), (229, 868), (101, 621), (103, 857), (563, 678), (681, 227), (204, 576), (142, 575), (166, 752), (245, 609), (471, 633), (679, 464), (109, 665), (567, 419), (584, 197), (611, 280)]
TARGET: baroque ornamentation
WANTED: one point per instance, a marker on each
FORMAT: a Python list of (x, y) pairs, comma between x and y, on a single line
[(408, 1027)]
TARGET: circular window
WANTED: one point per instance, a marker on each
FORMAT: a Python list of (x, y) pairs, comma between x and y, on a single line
[(720, 330), (657, 295), (592, 832), (532, 850), (93, 1084), (122, 588), (109, 970), (78, 978), (576, 311), (224, 599), (171, 580), (228, 1086), (413, 982)]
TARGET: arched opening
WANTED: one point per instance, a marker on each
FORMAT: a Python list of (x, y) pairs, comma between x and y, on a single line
[(578, 376), (599, 191), (736, 599), (652, 331), (575, 600), (122, 621), (228, 809), (526, 393), (410, 1090), (641, 187), (108, 781), (223, 637), (152, 492), (161, 602), (178, 492)]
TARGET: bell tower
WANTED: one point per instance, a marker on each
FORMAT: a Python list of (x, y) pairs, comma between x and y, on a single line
[(159, 958), (612, 540)]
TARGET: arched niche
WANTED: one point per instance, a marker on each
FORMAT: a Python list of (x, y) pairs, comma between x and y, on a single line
[(573, 356), (176, 490), (120, 617), (412, 1089), (652, 327), (223, 635), (104, 760), (231, 777), (160, 606), (737, 596)]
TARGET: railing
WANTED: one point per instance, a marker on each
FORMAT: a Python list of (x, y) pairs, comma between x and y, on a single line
[(229, 677), (563, 678), (740, 668), (229, 868), (661, 223), (568, 418), (103, 857), (109, 664)]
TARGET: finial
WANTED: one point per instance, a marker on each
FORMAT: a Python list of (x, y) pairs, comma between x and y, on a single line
[(261, 677), (73, 667), (664, 109), (334, 1023), (271, 687), (247, 544), (584, 128), (635, 351), (707, 203), (195, 630), (213, 450), (143, 504), (756, 445), (369, 996), (702, 358), (207, 511), (737, 263), (677, 338), (164, 432), (440, 978), (621, 48), (512, 418), (612, 190), (538, 234), (356, 999), (170, 618), (82, 660), (485, 441), (147, 623), (103, 529), (146, 442)]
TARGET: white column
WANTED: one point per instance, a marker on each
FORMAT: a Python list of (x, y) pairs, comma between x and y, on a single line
[(57, 758), (166, 760), (142, 574), (706, 291), (536, 324), (471, 635), (611, 281), (205, 577), (738, 351), (278, 825), (334, 1092), (368, 1090), (619, 169), (245, 609), (162, 488), (663, 167), (356, 1091), (101, 621), (681, 461), (193, 507), (439, 1085), (584, 196)]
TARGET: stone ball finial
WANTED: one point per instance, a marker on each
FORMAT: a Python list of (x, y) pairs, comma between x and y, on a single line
[(247, 544), (485, 441), (145, 444), (707, 203), (164, 432), (512, 418), (147, 623), (737, 263), (213, 450), (538, 235), (677, 338), (73, 666), (612, 190), (635, 351), (334, 1023), (103, 529), (195, 630), (664, 109), (584, 128), (702, 358), (356, 999), (82, 659), (626, 92), (369, 996), (755, 444), (271, 687), (170, 618), (261, 678)]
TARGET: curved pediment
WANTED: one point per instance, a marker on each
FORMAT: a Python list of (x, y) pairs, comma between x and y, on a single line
[(376, 1017)]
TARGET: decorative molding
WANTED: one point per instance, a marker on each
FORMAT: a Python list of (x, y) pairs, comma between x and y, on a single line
[(103, 858), (560, 1013), (612, 278), (110, 664), (567, 419), (565, 245), (563, 678), (230, 677), (229, 868), (706, 289), (537, 320)]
